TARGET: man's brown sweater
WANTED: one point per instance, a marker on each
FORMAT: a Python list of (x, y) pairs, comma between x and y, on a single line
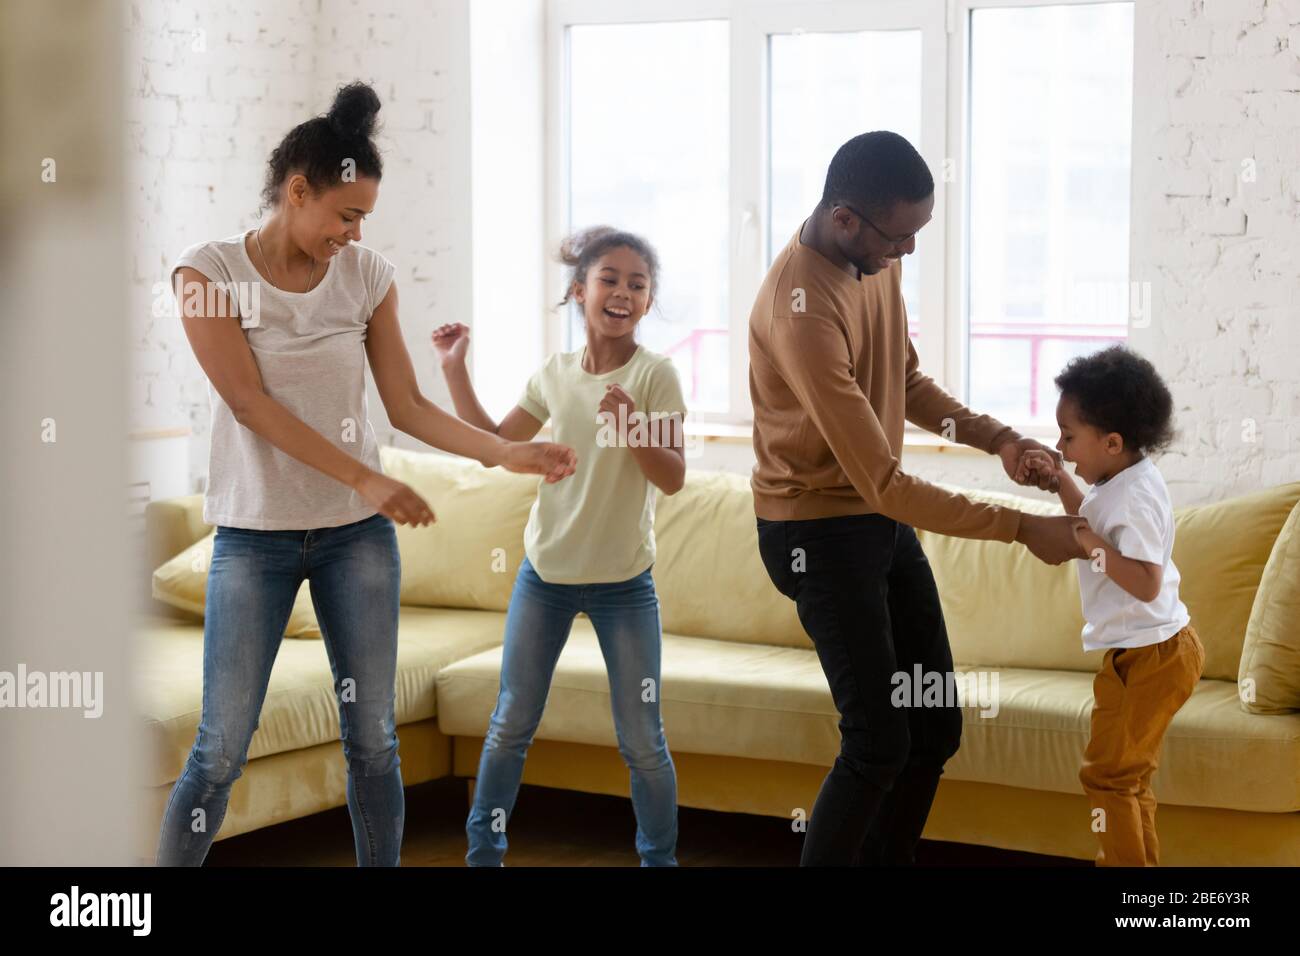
[(833, 376)]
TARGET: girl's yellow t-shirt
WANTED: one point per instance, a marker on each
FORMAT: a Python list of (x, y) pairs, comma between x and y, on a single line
[(597, 525)]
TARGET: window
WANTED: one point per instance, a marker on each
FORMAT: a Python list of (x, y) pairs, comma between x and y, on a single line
[(1050, 111), (648, 108), (707, 127), (825, 89)]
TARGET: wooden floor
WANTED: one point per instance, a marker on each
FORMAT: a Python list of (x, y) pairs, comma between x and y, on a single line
[(563, 828)]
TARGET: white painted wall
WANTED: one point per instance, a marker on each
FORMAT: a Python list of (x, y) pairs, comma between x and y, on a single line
[(1216, 231), (214, 87)]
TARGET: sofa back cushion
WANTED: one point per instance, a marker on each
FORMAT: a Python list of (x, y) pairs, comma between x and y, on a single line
[(1004, 607), (181, 582), (710, 578), (470, 555), (1221, 550)]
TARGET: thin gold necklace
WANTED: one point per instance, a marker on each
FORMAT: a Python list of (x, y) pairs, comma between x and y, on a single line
[(257, 237)]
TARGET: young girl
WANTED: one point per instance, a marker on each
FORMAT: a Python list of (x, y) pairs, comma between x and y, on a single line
[(589, 544), (1114, 411)]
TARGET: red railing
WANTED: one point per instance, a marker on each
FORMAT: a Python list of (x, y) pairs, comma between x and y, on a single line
[(693, 340), (1036, 335)]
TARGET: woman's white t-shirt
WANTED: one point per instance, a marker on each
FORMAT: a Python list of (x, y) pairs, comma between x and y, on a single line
[(1132, 512), (310, 352)]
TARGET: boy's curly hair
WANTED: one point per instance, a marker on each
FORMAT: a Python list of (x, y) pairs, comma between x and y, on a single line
[(1117, 390)]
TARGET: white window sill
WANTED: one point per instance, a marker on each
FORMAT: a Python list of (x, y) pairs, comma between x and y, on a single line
[(914, 439)]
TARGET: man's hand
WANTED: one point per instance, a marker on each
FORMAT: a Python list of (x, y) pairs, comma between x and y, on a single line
[(1090, 542), (1052, 538), (1036, 464), (1012, 454)]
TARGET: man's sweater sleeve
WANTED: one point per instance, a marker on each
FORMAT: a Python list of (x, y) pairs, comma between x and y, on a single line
[(813, 357), (936, 411)]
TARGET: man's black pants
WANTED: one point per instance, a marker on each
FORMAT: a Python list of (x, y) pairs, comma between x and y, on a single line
[(867, 598)]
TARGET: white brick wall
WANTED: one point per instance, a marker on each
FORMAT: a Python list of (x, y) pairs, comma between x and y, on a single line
[(202, 123), (207, 93), (1216, 231), (1217, 84)]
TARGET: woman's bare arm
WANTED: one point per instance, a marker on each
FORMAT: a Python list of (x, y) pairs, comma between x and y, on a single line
[(518, 425), (420, 418)]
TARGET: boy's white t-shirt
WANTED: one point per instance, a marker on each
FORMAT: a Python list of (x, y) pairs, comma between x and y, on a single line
[(597, 525), (1132, 512), (310, 353)]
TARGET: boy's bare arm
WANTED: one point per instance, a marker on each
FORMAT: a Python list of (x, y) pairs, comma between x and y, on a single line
[(1142, 579)]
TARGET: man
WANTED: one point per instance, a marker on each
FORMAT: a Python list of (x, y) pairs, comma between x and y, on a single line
[(833, 375)]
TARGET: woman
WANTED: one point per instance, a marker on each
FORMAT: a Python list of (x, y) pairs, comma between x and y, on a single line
[(295, 486)]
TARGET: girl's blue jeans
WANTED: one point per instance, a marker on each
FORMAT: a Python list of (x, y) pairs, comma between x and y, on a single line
[(625, 616), (355, 578)]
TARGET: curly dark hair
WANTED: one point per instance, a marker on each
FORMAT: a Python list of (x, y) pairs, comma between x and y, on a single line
[(583, 248), (318, 147), (1117, 390)]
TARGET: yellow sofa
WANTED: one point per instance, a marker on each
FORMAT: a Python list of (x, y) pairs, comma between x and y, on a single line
[(747, 712)]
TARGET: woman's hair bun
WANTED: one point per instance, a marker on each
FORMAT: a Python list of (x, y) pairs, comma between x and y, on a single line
[(354, 110)]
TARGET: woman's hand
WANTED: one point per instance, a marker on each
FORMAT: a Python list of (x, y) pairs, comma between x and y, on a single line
[(451, 342), (394, 499), (540, 458)]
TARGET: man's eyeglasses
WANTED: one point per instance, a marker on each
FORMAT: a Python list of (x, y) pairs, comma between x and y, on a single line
[(896, 243)]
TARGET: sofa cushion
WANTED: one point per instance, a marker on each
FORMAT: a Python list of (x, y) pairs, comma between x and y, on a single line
[(710, 578), (1220, 550), (1003, 607), (300, 709), (770, 702), (469, 556), (1270, 656), (182, 583)]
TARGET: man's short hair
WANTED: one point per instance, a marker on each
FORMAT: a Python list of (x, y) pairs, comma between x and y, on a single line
[(872, 171)]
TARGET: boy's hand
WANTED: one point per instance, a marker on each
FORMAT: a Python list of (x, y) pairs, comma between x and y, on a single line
[(451, 342), (1034, 465)]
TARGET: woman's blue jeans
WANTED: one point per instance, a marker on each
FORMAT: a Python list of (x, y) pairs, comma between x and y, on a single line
[(355, 577), (625, 616)]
